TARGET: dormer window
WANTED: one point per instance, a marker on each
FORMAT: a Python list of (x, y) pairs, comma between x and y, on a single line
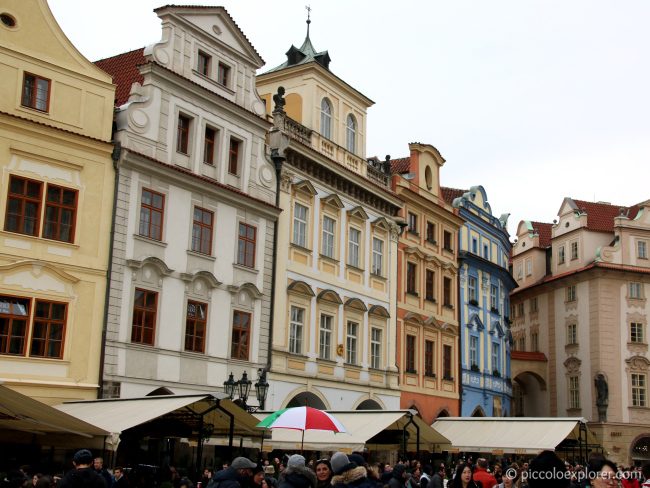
[(223, 75), (351, 134), (326, 118), (203, 64), (36, 92)]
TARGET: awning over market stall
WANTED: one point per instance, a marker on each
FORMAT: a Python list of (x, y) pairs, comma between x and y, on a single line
[(371, 429), (21, 413), (517, 435), (212, 415)]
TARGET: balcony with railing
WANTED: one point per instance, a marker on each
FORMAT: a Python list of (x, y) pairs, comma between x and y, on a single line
[(372, 169)]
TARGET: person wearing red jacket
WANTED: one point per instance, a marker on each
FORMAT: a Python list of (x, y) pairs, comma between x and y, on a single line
[(481, 474)]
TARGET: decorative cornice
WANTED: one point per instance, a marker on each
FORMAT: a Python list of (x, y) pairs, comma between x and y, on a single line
[(159, 264)]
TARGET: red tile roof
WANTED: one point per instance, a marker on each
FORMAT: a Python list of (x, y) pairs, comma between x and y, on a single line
[(449, 194), (600, 216), (400, 165), (528, 356), (124, 70), (544, 231)]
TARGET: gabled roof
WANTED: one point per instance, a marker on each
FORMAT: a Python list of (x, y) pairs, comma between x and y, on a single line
[(400, 165), (600, 216), (544, 231), (450, 194), (124, 70)]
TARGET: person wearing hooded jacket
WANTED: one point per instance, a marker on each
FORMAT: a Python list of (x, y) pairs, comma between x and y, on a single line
[(297, 475), (83, 475), (347, 474)]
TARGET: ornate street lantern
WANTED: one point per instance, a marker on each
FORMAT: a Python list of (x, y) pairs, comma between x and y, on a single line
[(229, 386), (244, 387), (261, 388)]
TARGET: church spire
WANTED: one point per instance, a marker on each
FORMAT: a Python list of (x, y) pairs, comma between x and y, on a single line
[(308, 18)]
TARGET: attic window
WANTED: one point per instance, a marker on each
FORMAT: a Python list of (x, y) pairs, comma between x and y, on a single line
[(8, 20)]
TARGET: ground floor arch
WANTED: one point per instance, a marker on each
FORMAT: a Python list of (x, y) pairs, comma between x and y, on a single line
[(369, 404), (529, 395), (306, 399)]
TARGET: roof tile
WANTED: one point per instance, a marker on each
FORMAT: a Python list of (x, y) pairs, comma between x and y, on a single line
[(400, 165), (600, 216), (450, 194), (124, 70), (545, 231)]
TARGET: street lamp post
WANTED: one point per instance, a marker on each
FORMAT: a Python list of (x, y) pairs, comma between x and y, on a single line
[(243, 386)]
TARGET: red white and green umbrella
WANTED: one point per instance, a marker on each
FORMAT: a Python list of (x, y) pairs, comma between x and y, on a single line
[(302, 418)]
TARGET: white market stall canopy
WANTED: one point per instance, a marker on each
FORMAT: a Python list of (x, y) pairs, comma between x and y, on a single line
[(361, 426), (518, 435), (119, 414)]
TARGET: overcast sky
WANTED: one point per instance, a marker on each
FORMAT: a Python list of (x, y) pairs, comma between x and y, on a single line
[(533, 99)]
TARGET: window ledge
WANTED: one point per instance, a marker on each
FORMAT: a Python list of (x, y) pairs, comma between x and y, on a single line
[(447, 378), (432, 242), (32, 110), (574, 411), (431, 300), (448, 249), (201, 255), (450, 307), (413, 293), (44, 240), (641, 409), (430, 375), (245, 268), (637, 344), (138, 237), (354, 268), (411, 371), (378, 277), (300, 248), (329, 259)]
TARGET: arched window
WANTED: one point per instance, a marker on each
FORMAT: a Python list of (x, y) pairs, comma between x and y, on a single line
[(326, 118), (351, 134)]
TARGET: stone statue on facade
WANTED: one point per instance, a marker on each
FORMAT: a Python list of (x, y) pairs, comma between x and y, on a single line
[(602, 397), (279, 100)]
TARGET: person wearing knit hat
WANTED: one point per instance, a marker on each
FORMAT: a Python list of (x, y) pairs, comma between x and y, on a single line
[(296, 474), (347, 474)]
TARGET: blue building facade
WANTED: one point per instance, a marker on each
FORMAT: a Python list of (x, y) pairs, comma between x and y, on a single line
[(484, 287)]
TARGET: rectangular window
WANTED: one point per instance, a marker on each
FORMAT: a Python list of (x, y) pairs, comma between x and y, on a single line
[(429, 369), (36, 92), (431, 232), (639, 392), (574, 251), (411, 278), (642, 249), (572, 334), (183, 134), (325, 337), (351, 343), (209, 145), (300, 213), (473, 351), (471, 290), (636, 332), (429, 287), (152, 208), (533, 305), (14, 319), (446, 362), (529, 267), (377, 256), (486, 251), (203, 64), (446, 292), (375, 348), (202, 231), (520, 271), (329, 225), (522, 343), (534, 341), (560, 255), (60, 213), (635, 291), (296, 326), (246, 245), (574, 392), (474, 245), (143, 324), (494, 298), (233, 157), (571, 293), (223, 74), (410, 354), (241, 332), (447, 242), (195, 326), (413, 223), (49, 329), (24, 206), (354, 237), (496, 358), (520, 309)]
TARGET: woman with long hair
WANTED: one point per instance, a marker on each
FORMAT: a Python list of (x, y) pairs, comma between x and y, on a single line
[(463, 477), (323, 473)]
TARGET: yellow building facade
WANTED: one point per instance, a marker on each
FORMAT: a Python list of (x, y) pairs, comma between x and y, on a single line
[(56, 198), (334, 316)]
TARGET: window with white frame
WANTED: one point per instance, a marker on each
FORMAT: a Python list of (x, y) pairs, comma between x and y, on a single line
[(574, 250), (329, 225), (560, 255), (529, 267), (351, 134), (572, 333), (377, 256), (635, 290), (571, 293), (300, 216), (496, 357), (473, 351), (574, 392), (471, 287), (326, 118), (520, 271), (351, 342), (325, 336), (375, 348), (494, 298), (354, 239), (642, 249), (296, 326), (636, 332), (639, 390)]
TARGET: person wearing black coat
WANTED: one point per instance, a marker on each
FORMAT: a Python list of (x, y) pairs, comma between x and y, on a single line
[(237, 475), (83, 475), (297, 475)]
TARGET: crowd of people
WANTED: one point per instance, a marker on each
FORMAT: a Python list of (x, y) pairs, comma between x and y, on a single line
[(546, 470)]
